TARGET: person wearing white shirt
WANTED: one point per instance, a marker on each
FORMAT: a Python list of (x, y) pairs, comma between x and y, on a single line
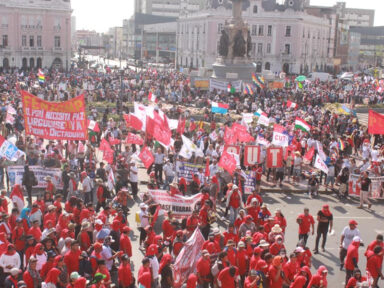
[(347, 235), (144, 222), (10, 259), (133, 177), (169, 173), (213, 168)]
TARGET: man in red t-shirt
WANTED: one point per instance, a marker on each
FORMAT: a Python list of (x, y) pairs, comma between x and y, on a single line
[(259, 173), (72, 257), (125, 242), (228, 277), (275, 279), (352, 259), (374, 264), (305, 222), (234, 203), (125, 272), (203, 269)]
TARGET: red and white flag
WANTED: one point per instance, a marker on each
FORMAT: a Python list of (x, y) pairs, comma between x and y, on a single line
[(229, 136), (93, 125), (134, 139), (133, 121), (152, 97), (228, 162), (186, 261), (319, 164), (146, 157), (242, 134), (292, 105), (17, 197), (111, 180), (280, 136), (108, 155), (309, 155), (181, 126), (104, 145)]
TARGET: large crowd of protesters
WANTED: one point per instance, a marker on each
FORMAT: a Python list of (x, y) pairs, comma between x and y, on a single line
[(79, 236)]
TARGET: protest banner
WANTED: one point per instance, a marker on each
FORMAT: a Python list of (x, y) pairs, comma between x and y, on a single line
[(181, 206), (280, 137), (15, 174), (235, 149), (223, 85), (186, 261), (354, 187), (319, 164), (9, 151), (250, 182), (251, 155), (54, 120), (186, 170), (274, 157)]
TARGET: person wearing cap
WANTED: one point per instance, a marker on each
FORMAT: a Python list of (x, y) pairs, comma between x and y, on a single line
[(125, 242), (275, 278), (320, 278), (230, 233), (103, 269), (366, 189), (203, 269), (352, 258), (31, 276), (254, 279), (125, 275), (234, 203), (71, 258), (374, 264), (264, 215), (347, 235), (248, 225), (12, 279), (144, 222), (325, 224), (242, 261)]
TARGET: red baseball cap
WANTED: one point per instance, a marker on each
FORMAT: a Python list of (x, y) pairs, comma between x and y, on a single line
[(352, 222)]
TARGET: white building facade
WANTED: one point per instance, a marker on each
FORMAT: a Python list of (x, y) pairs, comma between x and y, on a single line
[(35, 34), (284, 37)]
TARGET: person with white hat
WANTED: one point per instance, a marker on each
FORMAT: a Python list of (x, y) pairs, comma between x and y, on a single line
[(144, 222), (352, 259), (11, 280), (234, 203)]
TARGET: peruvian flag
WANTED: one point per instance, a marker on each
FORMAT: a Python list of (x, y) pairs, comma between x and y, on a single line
[(228, 162), (134, 139), (146, 157), (17, 197), (133, 121), (292, 105), (93, 125), (152, 97)]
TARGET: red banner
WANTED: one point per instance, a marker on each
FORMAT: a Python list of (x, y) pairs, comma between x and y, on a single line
[(55, 120), (232, 149), (375, 123), (251, 155), (242, 134), (147, 157), (275, 157), (229, 136), (134, 139), (227, 162)]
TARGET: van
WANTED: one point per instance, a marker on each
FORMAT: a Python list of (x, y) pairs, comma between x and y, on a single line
[(322, 76)]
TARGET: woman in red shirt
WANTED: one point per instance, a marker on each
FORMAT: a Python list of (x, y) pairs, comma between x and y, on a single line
[(275, 279)]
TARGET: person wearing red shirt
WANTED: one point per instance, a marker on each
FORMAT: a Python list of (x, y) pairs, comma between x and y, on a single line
[(255, 258), (320, 279), (35, 231), (145, 279), (51, 188), (253, 209), (234, 203), (291, 268), (231, 252), (277, 245), (275, 279), (96, 255), (178, 243), (203, 269), (104, 270), (300, 280), (280, 219), (211, 243), (264, 214), (306, 222), (193, 221), (374, 264), (100, 195), (230, 234), (168, 228), (18, 235), (50, 216), (31, 273), (228, 277), (204, 219), (4, 202), (125, 242), (259, 173), (47, 266), (352, 259), (84, 239), (356, 279), (72, 257), (253, 280), (57, 204), (125, 273), (374, 243), (242, 260), (256, 196)]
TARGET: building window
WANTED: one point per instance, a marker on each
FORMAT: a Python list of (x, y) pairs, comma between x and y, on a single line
[(269, 48), (253, 48), (255, 9), (267, 66), (219, 27), (254, 29), (259, 48), (24, 40), (287, 49), (57, 42), (261, 30), (5, 41), (269, 33), (288, 31), (38, 41), (4, 21), (31, 41)]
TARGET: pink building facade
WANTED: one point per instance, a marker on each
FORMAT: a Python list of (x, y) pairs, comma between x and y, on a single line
[(35, 34)]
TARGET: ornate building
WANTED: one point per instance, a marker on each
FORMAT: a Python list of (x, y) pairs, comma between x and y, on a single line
[(35, 34)]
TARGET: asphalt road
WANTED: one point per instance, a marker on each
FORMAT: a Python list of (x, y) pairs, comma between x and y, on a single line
[(369, 223)]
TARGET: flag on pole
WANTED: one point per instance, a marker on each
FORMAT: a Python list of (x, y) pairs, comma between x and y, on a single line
[(93, 125), (188, 148), (111, 180), (258, 80), (220, 108), (291, 105), (302, 125), (152, 97), (133, 121), (41, 76), (230, 88), (17, 197), (146, 157)]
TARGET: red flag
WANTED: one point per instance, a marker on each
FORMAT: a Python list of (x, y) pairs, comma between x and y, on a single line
[(146, 157), (114, 141), (375, 123), (207, 172), (181, 126), (229, 136), (108, 155), (158, 130), (93, 125), (227, 162), (242, 134), (152, 97), (134, 139), (192, 126), (133, 121), (309, 155), (104, 145)]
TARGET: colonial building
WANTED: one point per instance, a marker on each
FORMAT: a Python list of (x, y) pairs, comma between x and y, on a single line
[(35, 34), (284, 37)]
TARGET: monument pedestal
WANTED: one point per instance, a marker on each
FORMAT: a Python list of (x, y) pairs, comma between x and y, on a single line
[(233, 69)]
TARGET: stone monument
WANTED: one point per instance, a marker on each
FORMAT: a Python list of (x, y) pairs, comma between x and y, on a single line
[(233, 62)]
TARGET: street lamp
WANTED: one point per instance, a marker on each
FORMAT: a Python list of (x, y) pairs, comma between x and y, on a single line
[(121, 83)]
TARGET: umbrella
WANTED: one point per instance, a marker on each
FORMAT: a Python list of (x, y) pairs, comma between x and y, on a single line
[(300, 78)]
